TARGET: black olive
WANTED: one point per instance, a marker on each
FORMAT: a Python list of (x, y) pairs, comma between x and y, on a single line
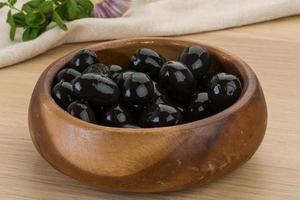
[(83, 59), (197, 59), (177, 80), (82, 111), (202, 85), (182, 91), (147, 61), (97, 68), (98, 109), (159, 115), (63, 95), (121, 78), (160, 96), (67, 75), (115, 71), (223, 90), (135, 110), (116, 116), (130, 126), (99, 90), (180, 108), (198, 107), (137, 89)]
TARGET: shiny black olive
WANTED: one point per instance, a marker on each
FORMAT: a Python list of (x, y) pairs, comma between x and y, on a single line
[(180, 108), (160, 96), (63, 95), (177, 80), (67, 75), (116, 116), (130, 126), (83, 59), (197, 59), (223, 90), (97, 89), (115, 71), (121, 78), (159, 115), (98, 109), (82, 111), (147, 61), (202, 84), (97, 68), (135, 110), (198, 107), (137, 89)]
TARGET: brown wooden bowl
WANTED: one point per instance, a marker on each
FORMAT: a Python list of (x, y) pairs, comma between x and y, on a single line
[(152, 159)]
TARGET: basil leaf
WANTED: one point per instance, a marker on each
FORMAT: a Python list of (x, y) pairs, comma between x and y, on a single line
[(2, 4), (12, 2), (46, 23), (32, 5), (31, 33), (58, 2), (35, 3), (58, 20), (27, 8), (87, 5), (62, 11), (34, 19), (10, 20), (72, 9), (46, 7), (82, 13), (36, 15), (19, 19)]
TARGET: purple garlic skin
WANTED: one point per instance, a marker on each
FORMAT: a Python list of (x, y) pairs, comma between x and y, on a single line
[(111, 8)]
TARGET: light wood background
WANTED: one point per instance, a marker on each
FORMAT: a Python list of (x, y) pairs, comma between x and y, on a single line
[(273, 51)]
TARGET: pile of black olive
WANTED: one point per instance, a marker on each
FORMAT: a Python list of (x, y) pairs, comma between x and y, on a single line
[(152, 93)]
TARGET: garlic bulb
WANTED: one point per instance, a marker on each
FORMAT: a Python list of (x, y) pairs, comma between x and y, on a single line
[(111, 8)]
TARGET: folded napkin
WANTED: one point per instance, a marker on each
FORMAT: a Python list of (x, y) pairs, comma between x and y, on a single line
[(154, 18)]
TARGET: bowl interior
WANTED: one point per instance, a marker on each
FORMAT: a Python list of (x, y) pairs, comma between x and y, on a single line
[(120, 52), (121, 55)]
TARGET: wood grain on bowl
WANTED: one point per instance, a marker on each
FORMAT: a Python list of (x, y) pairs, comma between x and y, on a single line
[(155, 159)]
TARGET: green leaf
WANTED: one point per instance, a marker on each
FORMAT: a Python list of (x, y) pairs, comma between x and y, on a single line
[(19, 19), (10, 20), (58, 2), (82, 12), (87, 5), (62, 11), (46, 7), (35, 3), (72, 9), (47, 22), (12, 2), (35, 19), (59, 21), (31, 33), (32, 5), (12, 33), (2, 4), (36, 15), (27, 8)]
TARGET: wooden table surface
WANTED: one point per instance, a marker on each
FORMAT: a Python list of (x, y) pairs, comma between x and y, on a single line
[(272, 49)]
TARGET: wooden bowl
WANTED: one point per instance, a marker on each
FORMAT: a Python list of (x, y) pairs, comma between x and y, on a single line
[(152, 159)]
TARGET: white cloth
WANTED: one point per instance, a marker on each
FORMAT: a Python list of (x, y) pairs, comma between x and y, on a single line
[(157, 18)]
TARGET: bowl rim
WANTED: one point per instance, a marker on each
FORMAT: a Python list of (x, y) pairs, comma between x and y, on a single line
[(249, 85)]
